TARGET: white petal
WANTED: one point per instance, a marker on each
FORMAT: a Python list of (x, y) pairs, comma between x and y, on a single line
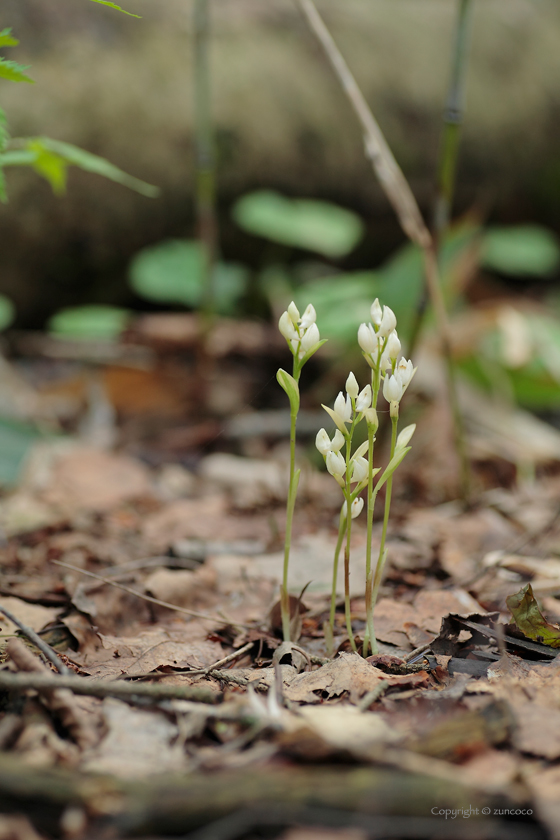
[(310, 338), (356, 507), (393, 347), (359, 469), (376, 312), (352, 387), (388, 321), (336, 464), (364, 398), (286, 327), (293, 312), (309, 317), (322, 442), (338, 441), (367, 339), (392, 389), (405, 436)]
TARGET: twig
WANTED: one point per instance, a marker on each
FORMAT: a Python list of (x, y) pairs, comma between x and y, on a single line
[(402, 199), (45, 649), (213, 618), (414, 654), (230, 658), (388, 171), (101, 688), (373, 695)]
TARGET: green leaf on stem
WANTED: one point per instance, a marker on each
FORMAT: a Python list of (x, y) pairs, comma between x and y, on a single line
[(392, 466), (114, 6), (13, 72), (290, 386), (529, 619), (7, 40), (312, 351)]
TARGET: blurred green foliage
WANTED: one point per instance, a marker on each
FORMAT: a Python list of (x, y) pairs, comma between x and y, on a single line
[(89, 322), (301, 223), (173, 272)]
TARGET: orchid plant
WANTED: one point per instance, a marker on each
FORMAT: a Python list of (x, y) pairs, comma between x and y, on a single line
[(302, 334), (354, 472)]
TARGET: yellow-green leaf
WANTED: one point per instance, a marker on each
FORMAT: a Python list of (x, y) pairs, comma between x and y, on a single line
[(529, 619)]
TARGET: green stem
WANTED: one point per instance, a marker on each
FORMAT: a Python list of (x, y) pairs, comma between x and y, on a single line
[(382, 552), (348, 498), (369, 635), (204, 155), (292, 492), (341, 530), (453, 117)]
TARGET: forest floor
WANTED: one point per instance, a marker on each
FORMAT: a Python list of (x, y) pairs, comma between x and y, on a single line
[(173, 708)]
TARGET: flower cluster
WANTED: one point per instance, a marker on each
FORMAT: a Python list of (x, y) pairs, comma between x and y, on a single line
[(348, 411), (381, 348), (300, 331)]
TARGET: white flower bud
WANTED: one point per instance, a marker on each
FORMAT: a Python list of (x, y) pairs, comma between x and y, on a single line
[(336, 464), (352, 387), (293, 312), (376, 312), (364, 398), (309, 317), (286, 327), (338, 441), (359, 469), (388, 322), (393, 347), (405, 436), (392, 389), (371, 418), (405, 371), (367, 339), (343, 407), (310, 338), (323, 442), (356, 507)]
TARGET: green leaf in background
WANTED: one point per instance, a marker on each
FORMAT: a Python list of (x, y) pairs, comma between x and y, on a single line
[(13, 72), (302, 223), (89, 322), (7, 40), (7, 312), (173, 272), (16, 440), (114, 6), (529, 619), (50, 158), (4, 135), (523, 250), (95, 164), (51, 166)]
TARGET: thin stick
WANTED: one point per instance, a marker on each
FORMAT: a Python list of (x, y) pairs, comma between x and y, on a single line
[(213, 618), (402, 199), (45, 649), (230, 658), (103, 688)]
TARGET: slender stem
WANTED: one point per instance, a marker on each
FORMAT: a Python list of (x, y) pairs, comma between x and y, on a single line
[(292, 492), (204, 155), (341, 531), (453, 117), (369, 635), (388, 493), (348, 497)]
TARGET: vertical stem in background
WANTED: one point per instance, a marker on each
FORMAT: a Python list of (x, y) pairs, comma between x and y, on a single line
[(369, 635), (402, 199), (207, 227), (388, 494), (453, 117)]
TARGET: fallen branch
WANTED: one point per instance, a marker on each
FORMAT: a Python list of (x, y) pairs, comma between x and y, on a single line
[(30, 634), (100, 688)]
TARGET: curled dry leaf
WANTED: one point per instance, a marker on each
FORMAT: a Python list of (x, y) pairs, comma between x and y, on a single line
[(529, 619)]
